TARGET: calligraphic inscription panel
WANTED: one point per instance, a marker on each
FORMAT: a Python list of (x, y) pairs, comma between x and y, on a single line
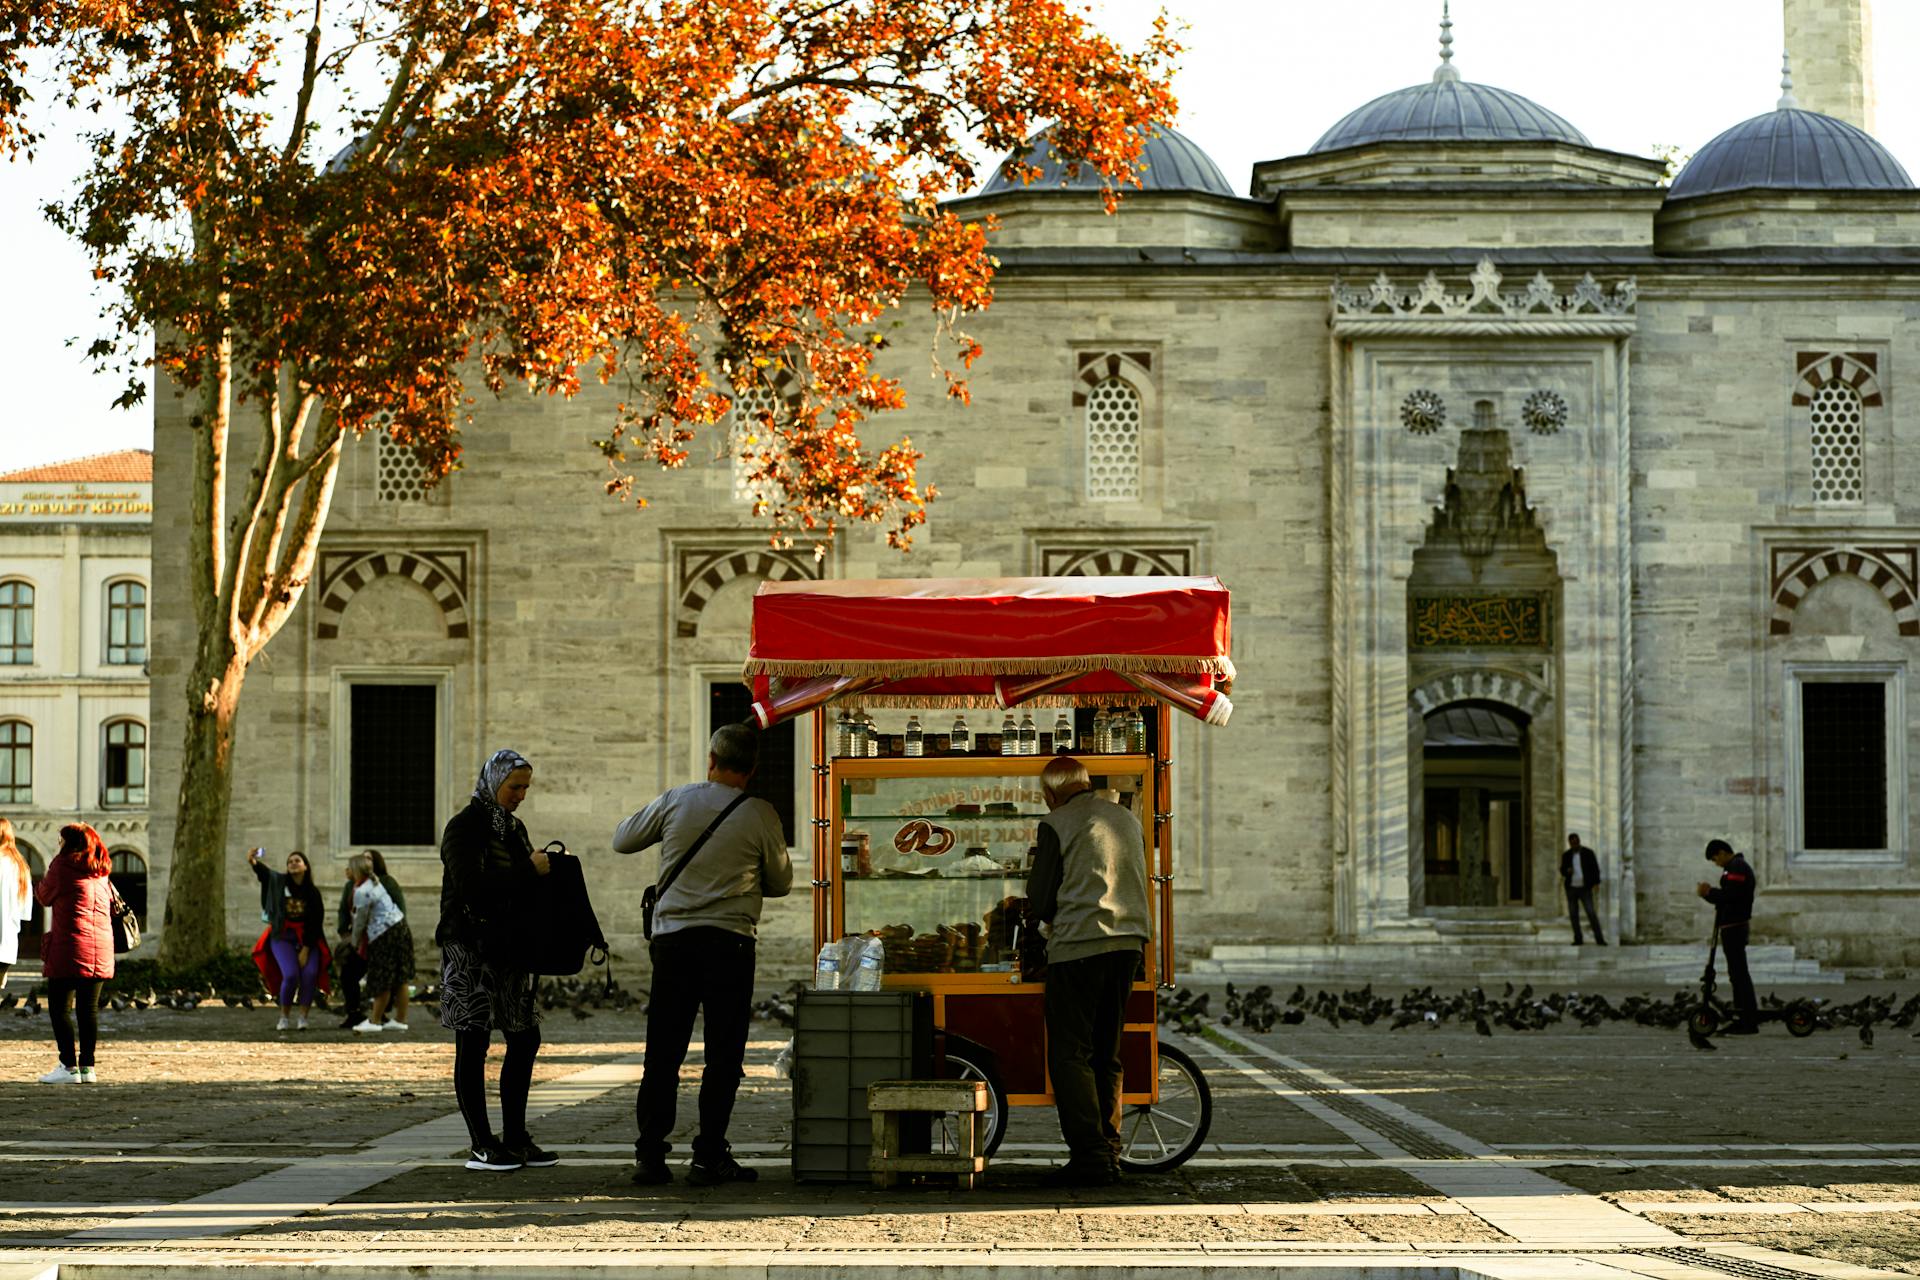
[(1480, 622)]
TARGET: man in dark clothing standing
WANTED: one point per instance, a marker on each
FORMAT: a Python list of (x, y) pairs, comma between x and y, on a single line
[(1089, 883), (352, 967), (703, 948), (1580, 872), (1732, 913)]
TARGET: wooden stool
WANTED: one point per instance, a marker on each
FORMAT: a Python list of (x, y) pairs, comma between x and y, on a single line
[(888, 1099)]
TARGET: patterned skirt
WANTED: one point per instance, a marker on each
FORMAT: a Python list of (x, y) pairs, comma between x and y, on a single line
[(390, 959), (478, 996)]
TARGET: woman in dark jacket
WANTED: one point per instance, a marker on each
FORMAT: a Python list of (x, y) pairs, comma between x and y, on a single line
[(488, 869), (296, 931), (76, 952)]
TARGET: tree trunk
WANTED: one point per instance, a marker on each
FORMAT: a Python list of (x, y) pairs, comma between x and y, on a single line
[(196, 918)]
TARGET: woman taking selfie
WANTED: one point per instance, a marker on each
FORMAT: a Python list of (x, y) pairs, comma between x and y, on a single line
[(295, 940)]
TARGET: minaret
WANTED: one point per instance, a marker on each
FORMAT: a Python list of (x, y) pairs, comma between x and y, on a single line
[(1831, 45)]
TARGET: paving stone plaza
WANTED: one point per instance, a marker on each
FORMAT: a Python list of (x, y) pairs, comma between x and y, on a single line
[(1611, 1152)]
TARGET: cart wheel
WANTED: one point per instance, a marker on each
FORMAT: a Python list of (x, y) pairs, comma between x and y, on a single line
[(962, 1065), (1800, 1021), (1704, 1020), (1164, 1135)]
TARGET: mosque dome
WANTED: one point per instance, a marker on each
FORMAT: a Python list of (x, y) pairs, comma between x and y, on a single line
[(1792, 149), (1449, 109), (1169, 161)]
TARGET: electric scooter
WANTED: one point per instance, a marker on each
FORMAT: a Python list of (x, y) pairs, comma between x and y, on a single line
[(1800, 1016)]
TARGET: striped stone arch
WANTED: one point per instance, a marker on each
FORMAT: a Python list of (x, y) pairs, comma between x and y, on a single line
[(1091, 368), (1893, 571), (442, 574), (1508, 688), (1116, 562), (1857, 369), (704, 570)]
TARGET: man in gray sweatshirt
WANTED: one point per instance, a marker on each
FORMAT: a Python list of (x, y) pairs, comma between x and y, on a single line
[(1089, 882), (703, 947)]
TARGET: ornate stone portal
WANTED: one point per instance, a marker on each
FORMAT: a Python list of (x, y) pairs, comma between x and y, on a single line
[(1540, 376)]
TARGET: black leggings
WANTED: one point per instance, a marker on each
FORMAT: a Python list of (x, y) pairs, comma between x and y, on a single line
[(516, 1079), (62, 994)]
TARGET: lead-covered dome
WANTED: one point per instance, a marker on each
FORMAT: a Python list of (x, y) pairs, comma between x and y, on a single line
[(1791, 149), (1448, 109), (1169, 161)]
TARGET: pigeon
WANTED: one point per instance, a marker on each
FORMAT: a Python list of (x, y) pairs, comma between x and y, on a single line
[(1480, 1020), (1866, 1035), (1699, 1041)]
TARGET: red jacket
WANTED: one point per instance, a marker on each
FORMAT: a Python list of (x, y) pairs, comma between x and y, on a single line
[(79, 938)]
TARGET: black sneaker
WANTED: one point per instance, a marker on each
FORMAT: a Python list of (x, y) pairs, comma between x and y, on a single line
[(533, 1155), (494, 1158), (1742, 1029), (1082, 1173), (711, 1171), (651, 1172)]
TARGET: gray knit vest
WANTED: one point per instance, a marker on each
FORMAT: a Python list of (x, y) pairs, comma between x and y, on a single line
[(1103, 904)]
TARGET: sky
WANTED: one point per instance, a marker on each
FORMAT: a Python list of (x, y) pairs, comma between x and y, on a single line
[(1260, 79)]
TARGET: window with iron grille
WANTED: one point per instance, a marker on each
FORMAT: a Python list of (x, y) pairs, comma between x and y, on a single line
[(16, 762), (1843, 764), (747, 439), (126, 623), (730, 702), (1838, 443), (399, 475), (16, 624), (1113, 442), (123, 767), (394, 765)]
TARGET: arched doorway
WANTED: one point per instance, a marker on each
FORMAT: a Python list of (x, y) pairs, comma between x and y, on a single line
[(1476, 806)]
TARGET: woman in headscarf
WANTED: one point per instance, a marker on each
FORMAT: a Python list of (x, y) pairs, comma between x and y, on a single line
[(76, 952), (488, 868)]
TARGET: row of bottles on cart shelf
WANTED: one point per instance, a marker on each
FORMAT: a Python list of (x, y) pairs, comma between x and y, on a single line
[(1118, 731)]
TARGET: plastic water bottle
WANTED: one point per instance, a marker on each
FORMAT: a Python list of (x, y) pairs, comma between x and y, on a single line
[(1098, 741), (873, 735), (1137, 732), (826, 969), (869, 966), (1009, 737), (1117, 731), (961, 743), (1063, 734), (916, 741), (1029, 736), (843, 735)]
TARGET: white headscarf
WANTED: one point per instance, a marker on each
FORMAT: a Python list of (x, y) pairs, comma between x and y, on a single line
[(487, 790)]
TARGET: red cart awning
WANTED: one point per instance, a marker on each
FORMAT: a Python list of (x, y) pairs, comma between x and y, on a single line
[(948, 641)]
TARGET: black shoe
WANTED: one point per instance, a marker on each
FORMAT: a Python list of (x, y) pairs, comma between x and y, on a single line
[(651, 1173), (532, 1154), (494, 1157), (1082, 1173), (711, 1171), (1742, 1029), (351, 1021)]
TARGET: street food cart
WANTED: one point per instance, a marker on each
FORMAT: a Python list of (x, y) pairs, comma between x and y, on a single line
[(923, 835)]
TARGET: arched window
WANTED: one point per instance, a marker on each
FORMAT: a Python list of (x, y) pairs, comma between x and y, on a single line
[(1838, 444), (16, 624), (123, 766), (126, 623), (16, 762), (129, 876), (1113, 442)]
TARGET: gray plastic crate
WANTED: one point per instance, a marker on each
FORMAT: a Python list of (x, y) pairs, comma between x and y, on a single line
[(843, 1042)]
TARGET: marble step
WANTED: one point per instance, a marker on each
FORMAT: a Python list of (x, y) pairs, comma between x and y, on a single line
[(1460, 958)]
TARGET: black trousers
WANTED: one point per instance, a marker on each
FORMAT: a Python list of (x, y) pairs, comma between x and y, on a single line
[(1575, 897), (1086, 1007), (63, 995), (1733, 945), (695, 971), (352, 969)]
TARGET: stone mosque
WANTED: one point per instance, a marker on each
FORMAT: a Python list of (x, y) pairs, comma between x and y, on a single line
[(1554, 497)]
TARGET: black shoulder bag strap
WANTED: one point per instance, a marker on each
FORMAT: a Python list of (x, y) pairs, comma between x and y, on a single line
[(659, 891)]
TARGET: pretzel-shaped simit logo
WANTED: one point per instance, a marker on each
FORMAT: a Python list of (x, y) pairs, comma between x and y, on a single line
[(921, 836)]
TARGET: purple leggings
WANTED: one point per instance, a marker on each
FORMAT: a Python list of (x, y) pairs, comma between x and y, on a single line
[(293, 978)]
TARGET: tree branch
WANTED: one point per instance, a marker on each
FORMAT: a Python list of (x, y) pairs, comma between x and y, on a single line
[(308, 75)]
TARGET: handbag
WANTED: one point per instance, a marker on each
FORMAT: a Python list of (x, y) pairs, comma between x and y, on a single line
[(126, 925), (655, 891)]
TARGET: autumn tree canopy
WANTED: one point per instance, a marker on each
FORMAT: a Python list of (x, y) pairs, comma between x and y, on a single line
[(677, 197)]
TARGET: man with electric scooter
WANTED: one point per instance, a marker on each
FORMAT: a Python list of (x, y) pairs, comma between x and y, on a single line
[(1732, 914)]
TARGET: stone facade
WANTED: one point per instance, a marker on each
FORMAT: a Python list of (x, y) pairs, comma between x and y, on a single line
[(1474, 428)]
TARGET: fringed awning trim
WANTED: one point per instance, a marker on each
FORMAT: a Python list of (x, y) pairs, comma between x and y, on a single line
[(886, 669)]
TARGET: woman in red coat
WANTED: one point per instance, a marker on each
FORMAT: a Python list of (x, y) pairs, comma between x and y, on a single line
[(76, 954)]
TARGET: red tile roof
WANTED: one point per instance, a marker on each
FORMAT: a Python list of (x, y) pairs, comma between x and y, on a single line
[(128, 465)]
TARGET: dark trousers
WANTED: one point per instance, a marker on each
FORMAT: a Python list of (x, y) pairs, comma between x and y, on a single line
[(698, 970), (353, 967), (1086, 1005), (1575, 898), (1733, 945), (516, 1082), (63, 995)]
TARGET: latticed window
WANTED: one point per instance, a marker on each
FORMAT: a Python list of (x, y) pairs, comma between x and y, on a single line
[(1113, 442), (126, 623), (747, 438), (16, 624), (123, 769), (1839, 461), (399, 475), (16, 762)]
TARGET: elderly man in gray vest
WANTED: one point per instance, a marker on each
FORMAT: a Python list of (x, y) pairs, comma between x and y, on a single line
[(1089, 884)]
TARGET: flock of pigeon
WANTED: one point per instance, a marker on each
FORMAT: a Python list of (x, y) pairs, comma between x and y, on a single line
[(576, 995), (1511, 1010)]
